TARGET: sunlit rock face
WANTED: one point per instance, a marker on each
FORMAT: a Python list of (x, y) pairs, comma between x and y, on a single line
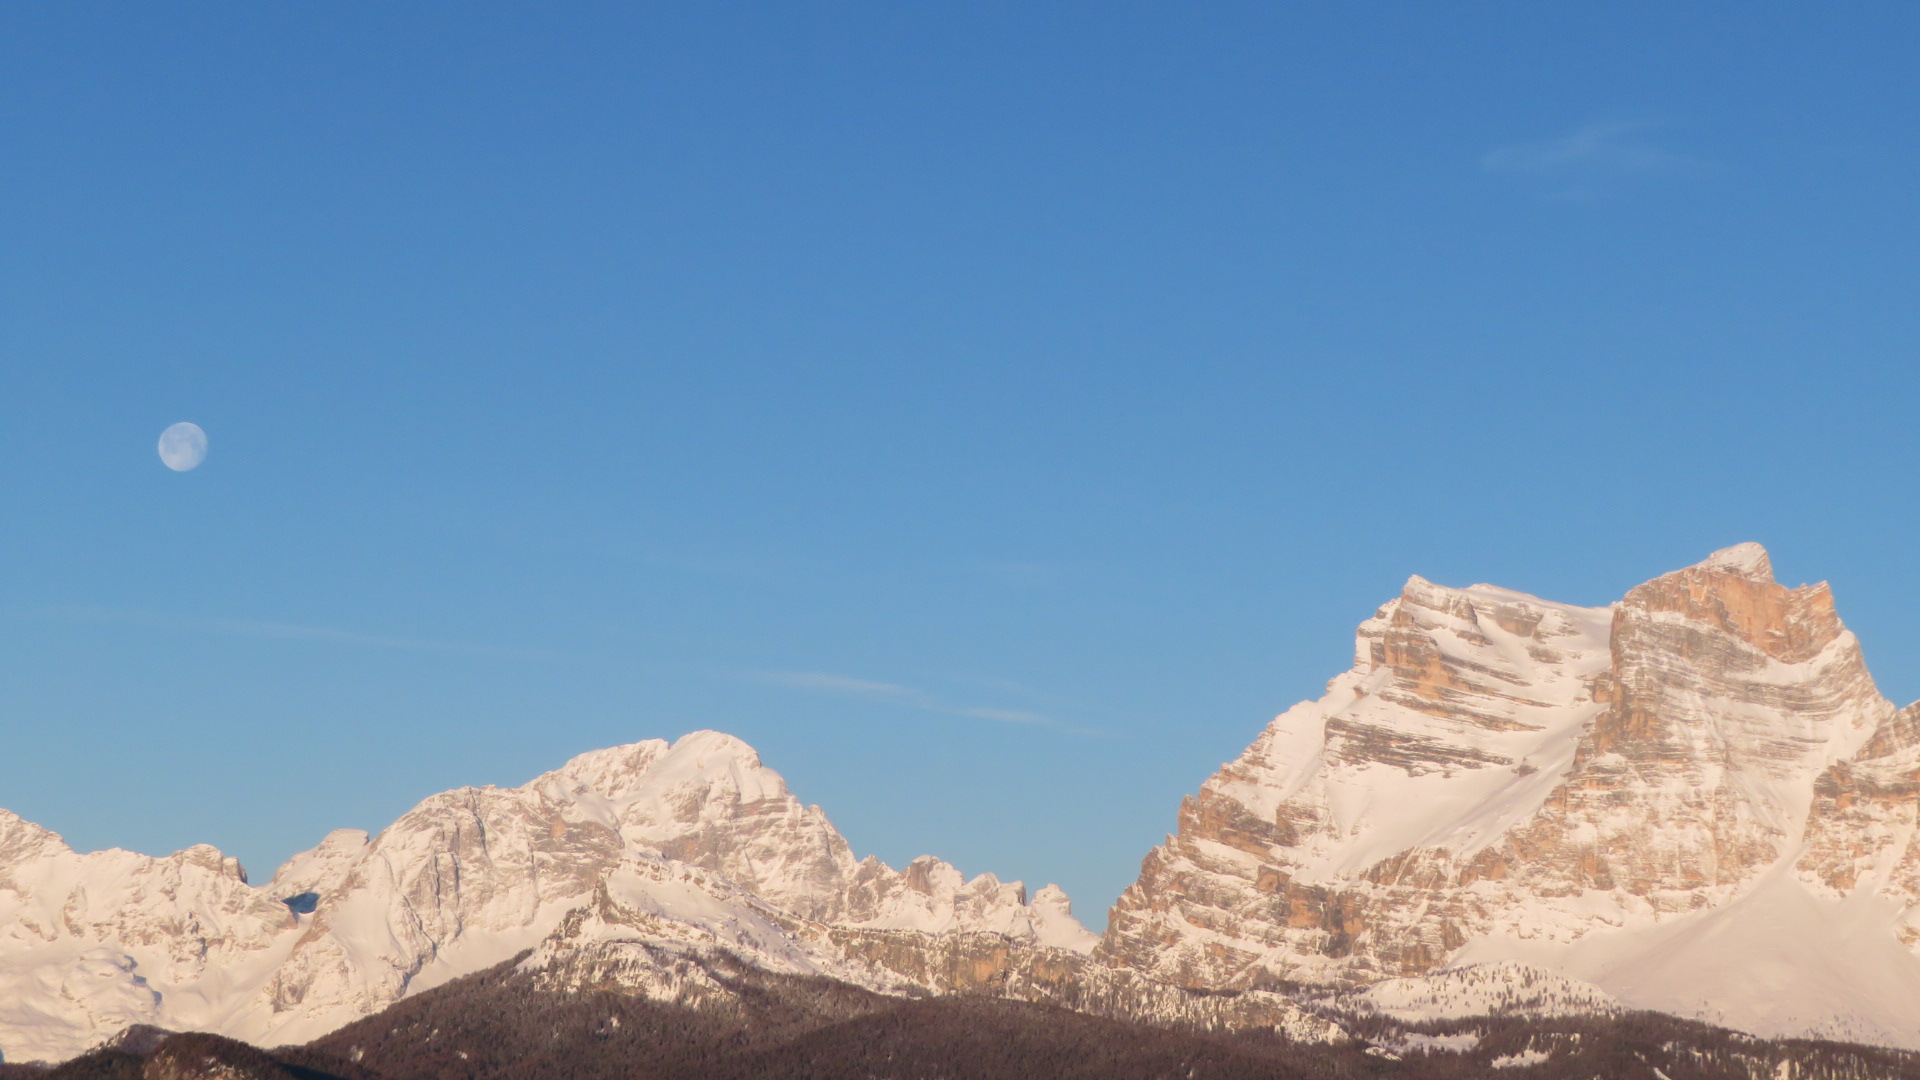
[(1728, 695), (1501, 777), (1318, 854), (1860, 836)]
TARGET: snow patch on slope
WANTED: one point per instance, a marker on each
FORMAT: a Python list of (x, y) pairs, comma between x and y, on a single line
[(1778, 961)]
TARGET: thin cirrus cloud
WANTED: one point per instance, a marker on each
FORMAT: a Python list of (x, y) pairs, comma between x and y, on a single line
[(909, 697), (268, 630), (1592, 161)]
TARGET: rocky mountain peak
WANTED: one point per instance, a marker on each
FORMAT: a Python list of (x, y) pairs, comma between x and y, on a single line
[(1054, 924), (1733, 593), (1501, 778), (21, 840), (1748, 560), (1719, 661)]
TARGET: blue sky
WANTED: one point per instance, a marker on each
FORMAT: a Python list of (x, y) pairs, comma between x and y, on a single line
[(995, 415)]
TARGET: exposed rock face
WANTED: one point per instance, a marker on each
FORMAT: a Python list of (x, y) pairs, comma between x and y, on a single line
[(1500, 777), (1314, 855), (684, 847), (1861, 833), (1729, 695)]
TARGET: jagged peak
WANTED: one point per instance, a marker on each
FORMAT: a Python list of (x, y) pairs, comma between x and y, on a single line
[(990, 881), (1053, 896), (1476, 607), (1053, 922), (1476, 597), (1748, 560), (1420, 594), (604, 770), (929, 875), (1734, 590), (209, 858), (20, 837)]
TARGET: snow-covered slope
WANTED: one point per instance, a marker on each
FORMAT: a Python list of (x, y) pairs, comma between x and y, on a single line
[(89, 942), (690, 845), (1695, 800), (1493, 989)]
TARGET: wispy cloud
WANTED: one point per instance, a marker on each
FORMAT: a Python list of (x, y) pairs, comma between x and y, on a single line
[(908, 697), (1592, 160), (820, 683), (264, 630)]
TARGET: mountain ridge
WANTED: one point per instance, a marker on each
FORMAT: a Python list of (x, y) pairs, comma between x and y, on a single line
[(90, 943), (1694, 800)]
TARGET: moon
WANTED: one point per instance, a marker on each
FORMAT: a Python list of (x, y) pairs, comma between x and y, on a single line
[(183, 446)]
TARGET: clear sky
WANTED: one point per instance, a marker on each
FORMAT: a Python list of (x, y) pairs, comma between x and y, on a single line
[(994, 413)]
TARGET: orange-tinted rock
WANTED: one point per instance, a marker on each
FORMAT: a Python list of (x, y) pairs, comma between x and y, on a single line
[(1498, 764)]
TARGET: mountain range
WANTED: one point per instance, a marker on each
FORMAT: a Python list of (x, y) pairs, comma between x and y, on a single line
[(1693, 801)]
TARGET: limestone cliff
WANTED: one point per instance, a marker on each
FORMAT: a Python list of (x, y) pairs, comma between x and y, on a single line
[(1593, 790)]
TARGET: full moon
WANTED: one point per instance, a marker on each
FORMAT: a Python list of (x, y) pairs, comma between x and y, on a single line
[(183, 446)]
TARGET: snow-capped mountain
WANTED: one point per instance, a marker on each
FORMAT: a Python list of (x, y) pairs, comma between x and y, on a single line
[(1694, 800), (692, 849)]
